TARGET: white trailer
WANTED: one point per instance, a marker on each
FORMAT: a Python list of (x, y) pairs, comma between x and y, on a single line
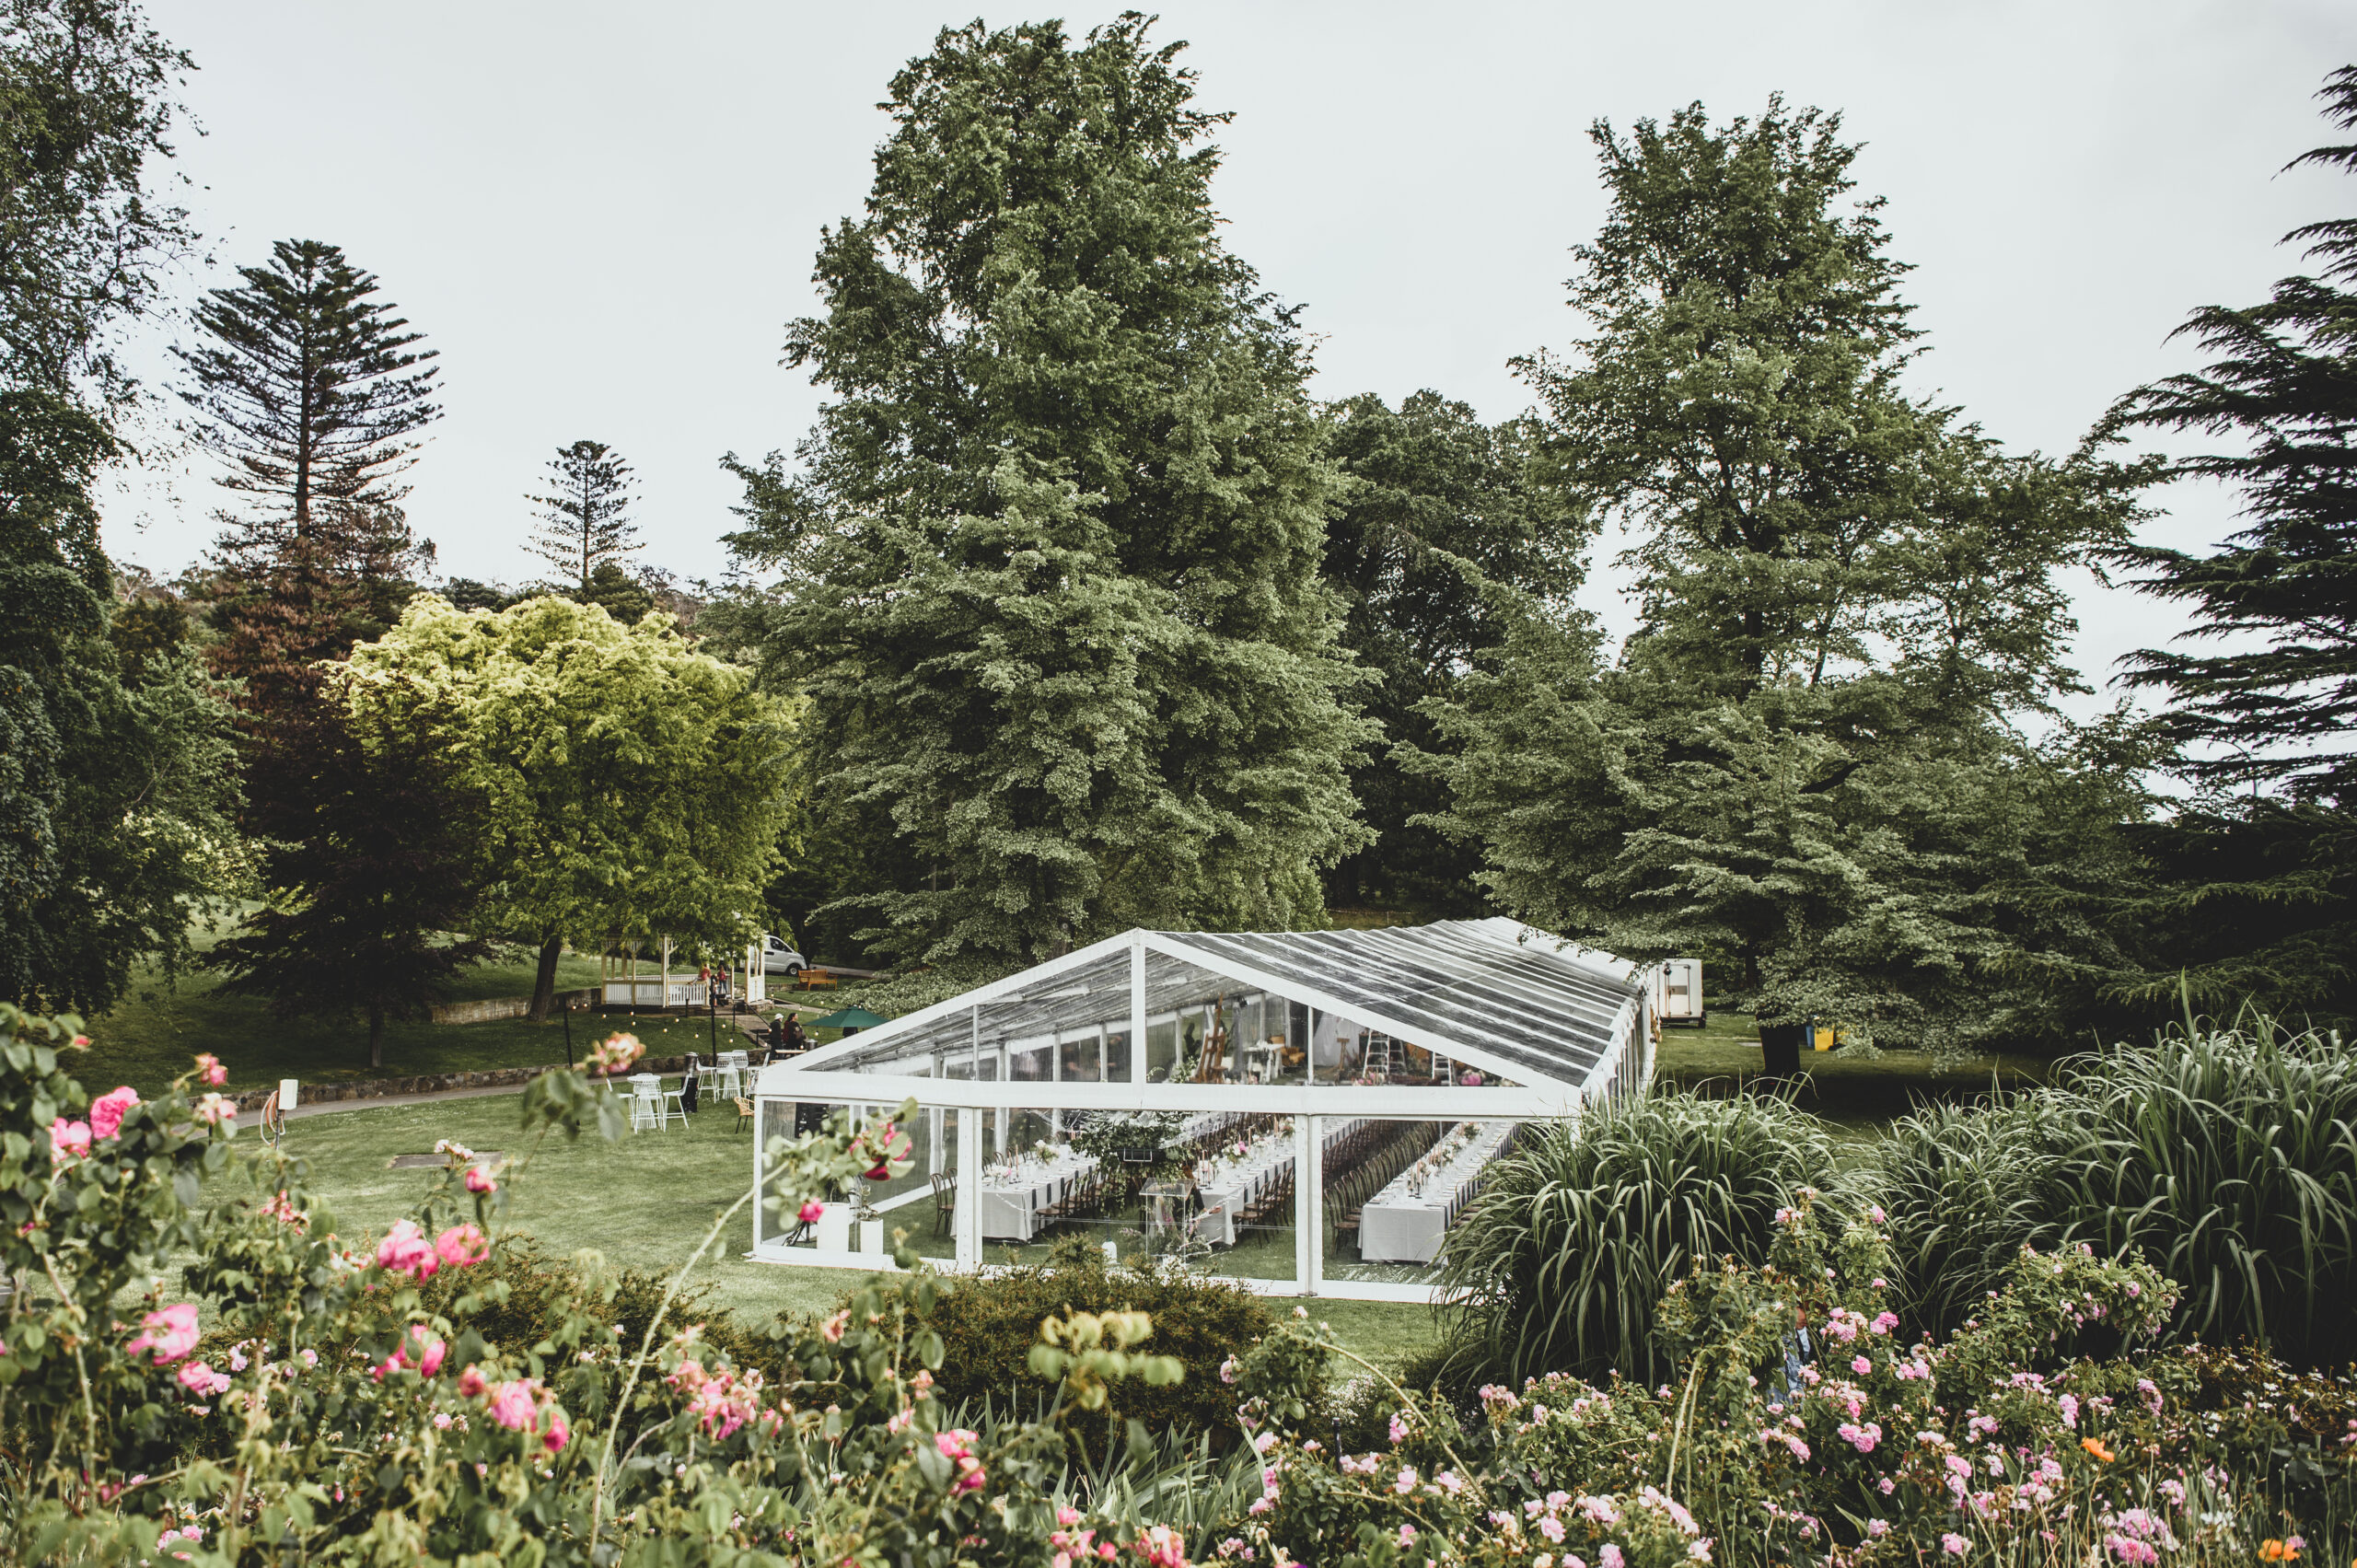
[(1677, 992)]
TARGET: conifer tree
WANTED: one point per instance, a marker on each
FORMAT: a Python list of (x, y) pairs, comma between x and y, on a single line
[(386, 862), (2261, 899), (1049, 567), (583, 523), (310, 391)]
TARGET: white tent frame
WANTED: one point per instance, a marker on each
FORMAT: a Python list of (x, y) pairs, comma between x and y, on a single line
[(825, 1077)]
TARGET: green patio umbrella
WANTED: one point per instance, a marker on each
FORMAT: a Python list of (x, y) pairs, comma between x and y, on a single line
[(848, 1018)]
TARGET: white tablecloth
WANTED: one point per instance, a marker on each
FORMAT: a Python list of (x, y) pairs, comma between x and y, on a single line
[(1227, 1192), (1399, 1227), (1011, 1205)]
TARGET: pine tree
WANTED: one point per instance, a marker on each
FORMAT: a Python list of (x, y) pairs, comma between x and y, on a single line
[(386, 863), (2259, 900), (582, 525), (310, 394), (2283, 714), (1050, 567)]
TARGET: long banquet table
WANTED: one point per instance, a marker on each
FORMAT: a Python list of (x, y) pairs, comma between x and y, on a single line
[(1400, 1225), (1230, 1185), (1013, 1196)]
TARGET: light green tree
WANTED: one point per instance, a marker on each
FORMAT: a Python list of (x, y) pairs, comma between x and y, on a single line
[(632, 784), (1048, 568), (1813, 764)]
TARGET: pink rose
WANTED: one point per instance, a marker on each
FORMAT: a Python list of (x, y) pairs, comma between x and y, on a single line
[(558, 1434), (210, 1071), (1861, 1366), (833, 1327), (214, 1110), (418, 1349), (462, 1246), (470, 1382), (199, 1378), (170, 1333), (107, 1110), (958, 1446), (813, 1212), (513, 1407), (478, 1180), (68, 1140), (405, 1251)]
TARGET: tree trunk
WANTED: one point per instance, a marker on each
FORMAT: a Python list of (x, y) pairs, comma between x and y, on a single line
[(375, 1035), (544, 983)]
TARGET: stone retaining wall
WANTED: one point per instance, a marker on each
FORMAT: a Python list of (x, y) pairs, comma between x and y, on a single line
[(430, 1083), (483, 1012)]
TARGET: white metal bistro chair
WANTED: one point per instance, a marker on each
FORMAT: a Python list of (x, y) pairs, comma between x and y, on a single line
[(646, 1102), (730, 1074), (675, 1099)]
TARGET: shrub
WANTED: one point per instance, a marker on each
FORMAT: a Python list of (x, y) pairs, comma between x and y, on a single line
[(1565, 1254), (2228, 1159), (987, 1332)]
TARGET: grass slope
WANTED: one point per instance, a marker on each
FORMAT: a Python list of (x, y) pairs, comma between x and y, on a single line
[(645, 1201), (150, 1037)]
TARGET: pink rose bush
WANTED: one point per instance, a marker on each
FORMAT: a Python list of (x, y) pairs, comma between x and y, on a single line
[(108, 1110)]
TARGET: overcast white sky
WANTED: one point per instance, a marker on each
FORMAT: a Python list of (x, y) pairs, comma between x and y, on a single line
[(602, 215)]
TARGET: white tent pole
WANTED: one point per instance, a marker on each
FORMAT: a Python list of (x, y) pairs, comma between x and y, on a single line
[(1311, 1186), (969, 1190), (1304, 1163), (1137, 1007), (761, 1197), (933, 1159)]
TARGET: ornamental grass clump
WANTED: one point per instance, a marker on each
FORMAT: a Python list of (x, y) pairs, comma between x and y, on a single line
[(2226, 1156), (1965, 1187), (1565, 1254)]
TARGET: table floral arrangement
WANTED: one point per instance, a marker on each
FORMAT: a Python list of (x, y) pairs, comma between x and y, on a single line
[(1439, 1157)]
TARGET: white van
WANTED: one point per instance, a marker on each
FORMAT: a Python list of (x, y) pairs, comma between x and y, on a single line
[(779, 959)]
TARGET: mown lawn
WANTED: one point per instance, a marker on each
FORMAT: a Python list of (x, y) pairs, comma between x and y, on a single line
[(151, 1037), (645, 1201)]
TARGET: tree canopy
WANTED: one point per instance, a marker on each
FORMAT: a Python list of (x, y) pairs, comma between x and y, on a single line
[(1441, 522), (629, 784), (1048, 568), (1803, 765)]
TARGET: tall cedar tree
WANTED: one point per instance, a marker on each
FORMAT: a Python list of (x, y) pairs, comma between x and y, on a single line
[(359, 902), (2262, 898), (116, 782), (1050, 565), (1440, 516), (583, 524), (1804, 767)]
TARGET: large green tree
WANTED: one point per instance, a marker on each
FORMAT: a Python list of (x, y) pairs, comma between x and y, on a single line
[(1808, 764), (1443, 522), (115, 780), (2260, 899), (1048, 569), (629, 784)]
